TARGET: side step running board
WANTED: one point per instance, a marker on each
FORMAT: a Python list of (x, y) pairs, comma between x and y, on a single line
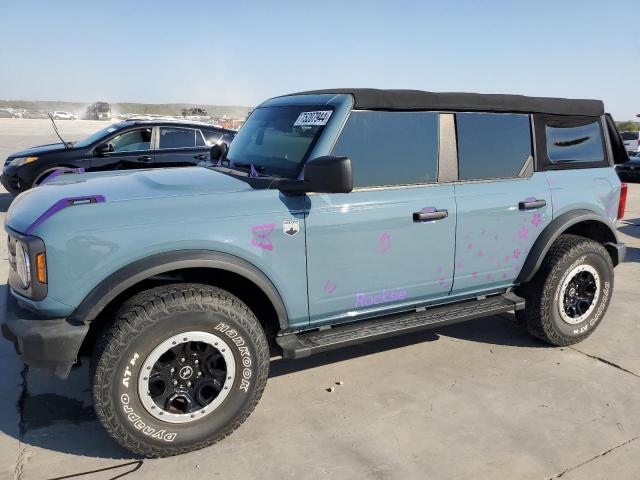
[(304, 344)]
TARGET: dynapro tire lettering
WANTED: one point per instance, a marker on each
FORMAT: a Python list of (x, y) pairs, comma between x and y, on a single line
[(245, 355), (138, 424)]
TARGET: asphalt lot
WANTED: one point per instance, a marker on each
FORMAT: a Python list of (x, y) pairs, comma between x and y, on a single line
[(475, 400)]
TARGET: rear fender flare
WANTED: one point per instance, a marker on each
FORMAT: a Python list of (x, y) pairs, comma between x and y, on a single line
[(551, 233)]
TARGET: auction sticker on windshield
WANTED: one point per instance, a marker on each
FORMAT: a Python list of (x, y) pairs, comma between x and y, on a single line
[(313, 118)]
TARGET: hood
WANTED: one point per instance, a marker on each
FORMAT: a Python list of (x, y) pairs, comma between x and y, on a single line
[(118, 187), (52, 147)]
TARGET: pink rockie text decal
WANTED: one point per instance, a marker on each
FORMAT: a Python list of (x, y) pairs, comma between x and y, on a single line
[(377, 298)]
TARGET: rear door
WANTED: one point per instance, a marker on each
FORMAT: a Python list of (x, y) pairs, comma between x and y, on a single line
[(180, 147), (389, 244), (503, 204)]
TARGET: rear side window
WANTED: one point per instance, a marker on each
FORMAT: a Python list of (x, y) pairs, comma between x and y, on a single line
[(574, 144), (171, 137), (492, 145), (212, 137), (390, 148)]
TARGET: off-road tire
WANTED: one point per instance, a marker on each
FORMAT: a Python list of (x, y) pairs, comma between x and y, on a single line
[(142, 323), (542, 317)]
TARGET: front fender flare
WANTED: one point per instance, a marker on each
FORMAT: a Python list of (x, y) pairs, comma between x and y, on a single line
[(124, 278), (550, 234)]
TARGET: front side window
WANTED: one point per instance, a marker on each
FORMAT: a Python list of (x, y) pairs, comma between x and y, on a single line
[(132, 141), (390, 148), (568, 144), (171, 137), (492, 145), (276, 140)]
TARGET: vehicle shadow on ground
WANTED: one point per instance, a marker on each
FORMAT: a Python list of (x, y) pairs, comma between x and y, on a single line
[(496, 330), (631, 227), (5, 201)]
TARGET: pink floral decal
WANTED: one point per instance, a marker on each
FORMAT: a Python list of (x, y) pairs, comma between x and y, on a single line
[(384, 242), (470, 246), (516, 254), (459, 264), (480, 253), (474, 275), (261, 236), (506, 259), (536, 219), (443, 283), (523, 232), (439, 268), (329, 287)]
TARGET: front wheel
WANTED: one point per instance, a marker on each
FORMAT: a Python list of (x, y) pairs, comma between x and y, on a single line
[(181, 368), (569, 295)]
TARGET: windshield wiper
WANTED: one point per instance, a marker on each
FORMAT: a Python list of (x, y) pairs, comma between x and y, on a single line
[(254, 170)]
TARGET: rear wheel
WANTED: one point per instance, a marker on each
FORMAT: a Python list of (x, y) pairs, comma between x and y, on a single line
[(570, 293), (182, 367)]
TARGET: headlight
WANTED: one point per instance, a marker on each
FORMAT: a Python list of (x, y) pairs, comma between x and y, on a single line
[(18, 162), (23, 265)]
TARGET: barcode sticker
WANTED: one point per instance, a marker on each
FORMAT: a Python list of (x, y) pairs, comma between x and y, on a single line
[(313, 118)]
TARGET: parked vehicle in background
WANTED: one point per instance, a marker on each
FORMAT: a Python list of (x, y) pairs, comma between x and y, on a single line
[(34, 114), (8, 113), (61, 115), (313, 235), (631, 141), (629, 171), (98, 111), (121, 146)]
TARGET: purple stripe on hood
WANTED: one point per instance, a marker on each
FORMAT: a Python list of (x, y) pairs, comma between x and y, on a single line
[(61, 205), (61, 171)]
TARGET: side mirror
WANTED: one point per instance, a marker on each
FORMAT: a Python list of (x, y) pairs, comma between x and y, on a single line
[(326, 174), (218, 151), (104, 149)]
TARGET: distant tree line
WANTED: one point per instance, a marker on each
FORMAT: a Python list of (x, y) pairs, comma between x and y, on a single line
[(628, 126)]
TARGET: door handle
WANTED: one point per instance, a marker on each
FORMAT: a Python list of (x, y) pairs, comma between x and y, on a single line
[(145, 158), (429, 214), (531, 204), (200, 157)]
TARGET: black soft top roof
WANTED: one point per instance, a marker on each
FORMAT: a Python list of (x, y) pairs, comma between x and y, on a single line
[(374, 99)]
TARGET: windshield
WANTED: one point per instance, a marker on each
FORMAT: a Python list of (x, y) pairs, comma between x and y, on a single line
[(275, 140), (85, 142)]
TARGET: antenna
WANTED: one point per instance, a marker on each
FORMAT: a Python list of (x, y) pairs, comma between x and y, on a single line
[(55, 128)]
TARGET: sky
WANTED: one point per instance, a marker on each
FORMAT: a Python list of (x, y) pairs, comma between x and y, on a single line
[(243, 52)]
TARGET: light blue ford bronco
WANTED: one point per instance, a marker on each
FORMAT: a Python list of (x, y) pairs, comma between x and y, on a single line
[(336, 217)]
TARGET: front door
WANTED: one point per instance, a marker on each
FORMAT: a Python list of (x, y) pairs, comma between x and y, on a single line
[(131, 149), (503, 205), (389, 244)]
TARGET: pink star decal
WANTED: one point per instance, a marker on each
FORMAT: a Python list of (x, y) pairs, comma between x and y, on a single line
[(329, 287), (516, 254), (523, 232), (536, 219), (384, 242)]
